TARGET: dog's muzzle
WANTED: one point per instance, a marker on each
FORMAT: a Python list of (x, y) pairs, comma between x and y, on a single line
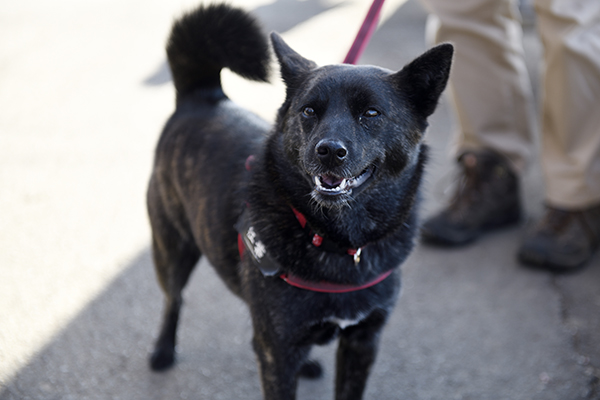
[(333, 186)]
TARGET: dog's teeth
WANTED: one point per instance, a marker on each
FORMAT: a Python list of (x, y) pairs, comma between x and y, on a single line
[(344, 186), (360, 179)]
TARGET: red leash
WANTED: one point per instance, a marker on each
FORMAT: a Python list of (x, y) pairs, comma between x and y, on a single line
[(364, 34)]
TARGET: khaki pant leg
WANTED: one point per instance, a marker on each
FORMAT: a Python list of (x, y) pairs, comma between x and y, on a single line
[(570, 32), (489, 83)]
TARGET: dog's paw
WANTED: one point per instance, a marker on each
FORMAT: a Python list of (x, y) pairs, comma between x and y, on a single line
[(311, 369), (161, 359)]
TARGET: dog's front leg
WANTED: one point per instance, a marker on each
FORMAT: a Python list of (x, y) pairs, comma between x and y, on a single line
[(356, 353), (278, 364)]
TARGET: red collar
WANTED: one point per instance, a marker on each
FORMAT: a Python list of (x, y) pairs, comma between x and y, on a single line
[(328, 287)]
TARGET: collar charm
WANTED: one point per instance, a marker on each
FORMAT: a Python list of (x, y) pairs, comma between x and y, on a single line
[(355, 253), (319, 241)]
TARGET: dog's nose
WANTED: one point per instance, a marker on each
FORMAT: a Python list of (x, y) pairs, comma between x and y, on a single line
[(331, 152)]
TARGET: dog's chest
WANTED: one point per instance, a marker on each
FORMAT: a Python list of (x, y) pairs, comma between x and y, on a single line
[(343, 323)]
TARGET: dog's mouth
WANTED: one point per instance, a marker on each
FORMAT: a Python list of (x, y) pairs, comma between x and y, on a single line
[(332, 185)]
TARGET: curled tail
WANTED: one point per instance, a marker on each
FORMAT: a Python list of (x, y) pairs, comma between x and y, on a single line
[(210, 38)]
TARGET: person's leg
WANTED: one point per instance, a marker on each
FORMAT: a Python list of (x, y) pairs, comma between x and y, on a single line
[(492, 94), (489, 84), (569, 232)]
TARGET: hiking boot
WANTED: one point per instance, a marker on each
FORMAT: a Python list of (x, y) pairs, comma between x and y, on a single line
[(562, 240), (487, 198)]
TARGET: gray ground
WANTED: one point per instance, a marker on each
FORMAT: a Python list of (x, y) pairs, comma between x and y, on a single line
[(83, 92)]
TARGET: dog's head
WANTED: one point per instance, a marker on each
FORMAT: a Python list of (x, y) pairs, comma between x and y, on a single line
[(346, 127)]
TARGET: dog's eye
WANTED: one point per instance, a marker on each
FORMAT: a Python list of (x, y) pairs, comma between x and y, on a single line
[(308, 112), (368, 115), (371, 113)]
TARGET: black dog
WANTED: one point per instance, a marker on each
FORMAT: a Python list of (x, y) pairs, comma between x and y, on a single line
[(322, 205)]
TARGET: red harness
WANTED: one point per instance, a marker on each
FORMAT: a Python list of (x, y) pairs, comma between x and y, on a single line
[(322, 286)]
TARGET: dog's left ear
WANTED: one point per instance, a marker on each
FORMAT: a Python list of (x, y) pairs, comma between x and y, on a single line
[(293, 66), (425, 78)]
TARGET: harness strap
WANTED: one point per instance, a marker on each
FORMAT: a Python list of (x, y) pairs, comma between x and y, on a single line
[(328, 245), (328, 287)]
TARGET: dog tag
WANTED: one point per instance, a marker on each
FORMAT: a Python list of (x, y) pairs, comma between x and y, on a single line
[(357, 256), (355, 253)]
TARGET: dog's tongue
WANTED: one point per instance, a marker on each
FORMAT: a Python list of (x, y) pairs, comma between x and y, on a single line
[(331, 181)]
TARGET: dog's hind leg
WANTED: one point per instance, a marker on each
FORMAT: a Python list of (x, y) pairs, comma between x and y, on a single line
[(356, 353), (173, 267), (175, 255)]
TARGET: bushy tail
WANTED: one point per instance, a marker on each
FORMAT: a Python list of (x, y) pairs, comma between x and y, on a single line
[(210, 38)]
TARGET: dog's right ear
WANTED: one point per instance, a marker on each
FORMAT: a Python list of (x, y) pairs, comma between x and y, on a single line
[(293, 66), (424, 79)]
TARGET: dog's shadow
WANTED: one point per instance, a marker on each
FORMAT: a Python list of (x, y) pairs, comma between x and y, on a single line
[(103, 352)]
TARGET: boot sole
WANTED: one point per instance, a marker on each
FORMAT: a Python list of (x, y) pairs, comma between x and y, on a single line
[(461, 238)]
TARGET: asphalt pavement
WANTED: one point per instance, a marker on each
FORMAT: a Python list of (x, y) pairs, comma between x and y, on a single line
[(84, 91)]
